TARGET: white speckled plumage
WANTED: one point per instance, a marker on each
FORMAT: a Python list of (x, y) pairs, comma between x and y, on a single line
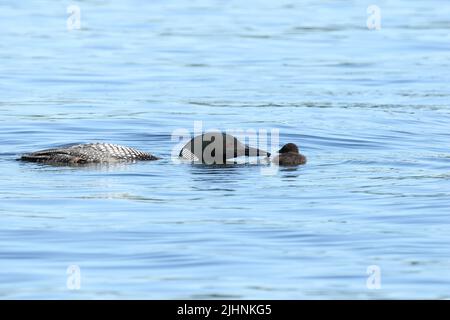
[(89, 153)]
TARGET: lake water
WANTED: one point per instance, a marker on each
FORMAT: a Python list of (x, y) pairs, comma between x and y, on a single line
[(369, 108)]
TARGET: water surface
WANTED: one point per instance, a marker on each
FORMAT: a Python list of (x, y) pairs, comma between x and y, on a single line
[(370, 109)]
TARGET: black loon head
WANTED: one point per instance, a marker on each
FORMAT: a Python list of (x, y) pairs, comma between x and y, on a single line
[(289, 147), (216, 147)]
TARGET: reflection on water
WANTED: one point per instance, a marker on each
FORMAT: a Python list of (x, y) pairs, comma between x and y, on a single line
[(368, 108)]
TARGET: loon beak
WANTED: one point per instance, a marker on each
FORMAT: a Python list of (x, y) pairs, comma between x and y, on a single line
[(254, 152)]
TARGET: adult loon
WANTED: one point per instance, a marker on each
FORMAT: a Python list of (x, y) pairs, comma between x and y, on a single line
[(289, 156), (216, 148), (88, 153)]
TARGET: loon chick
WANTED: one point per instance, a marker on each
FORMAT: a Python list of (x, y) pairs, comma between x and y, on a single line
[(289, 156), (88, 153), (216, 148)]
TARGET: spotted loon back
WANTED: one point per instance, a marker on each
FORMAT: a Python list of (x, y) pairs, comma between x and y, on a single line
[(88, 153)]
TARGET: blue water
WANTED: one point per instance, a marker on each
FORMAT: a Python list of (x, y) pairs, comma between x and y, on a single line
[(370, 109)]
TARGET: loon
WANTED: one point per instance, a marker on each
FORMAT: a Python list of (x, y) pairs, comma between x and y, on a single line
[(88, 153), (216, 148), (289, 156)]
